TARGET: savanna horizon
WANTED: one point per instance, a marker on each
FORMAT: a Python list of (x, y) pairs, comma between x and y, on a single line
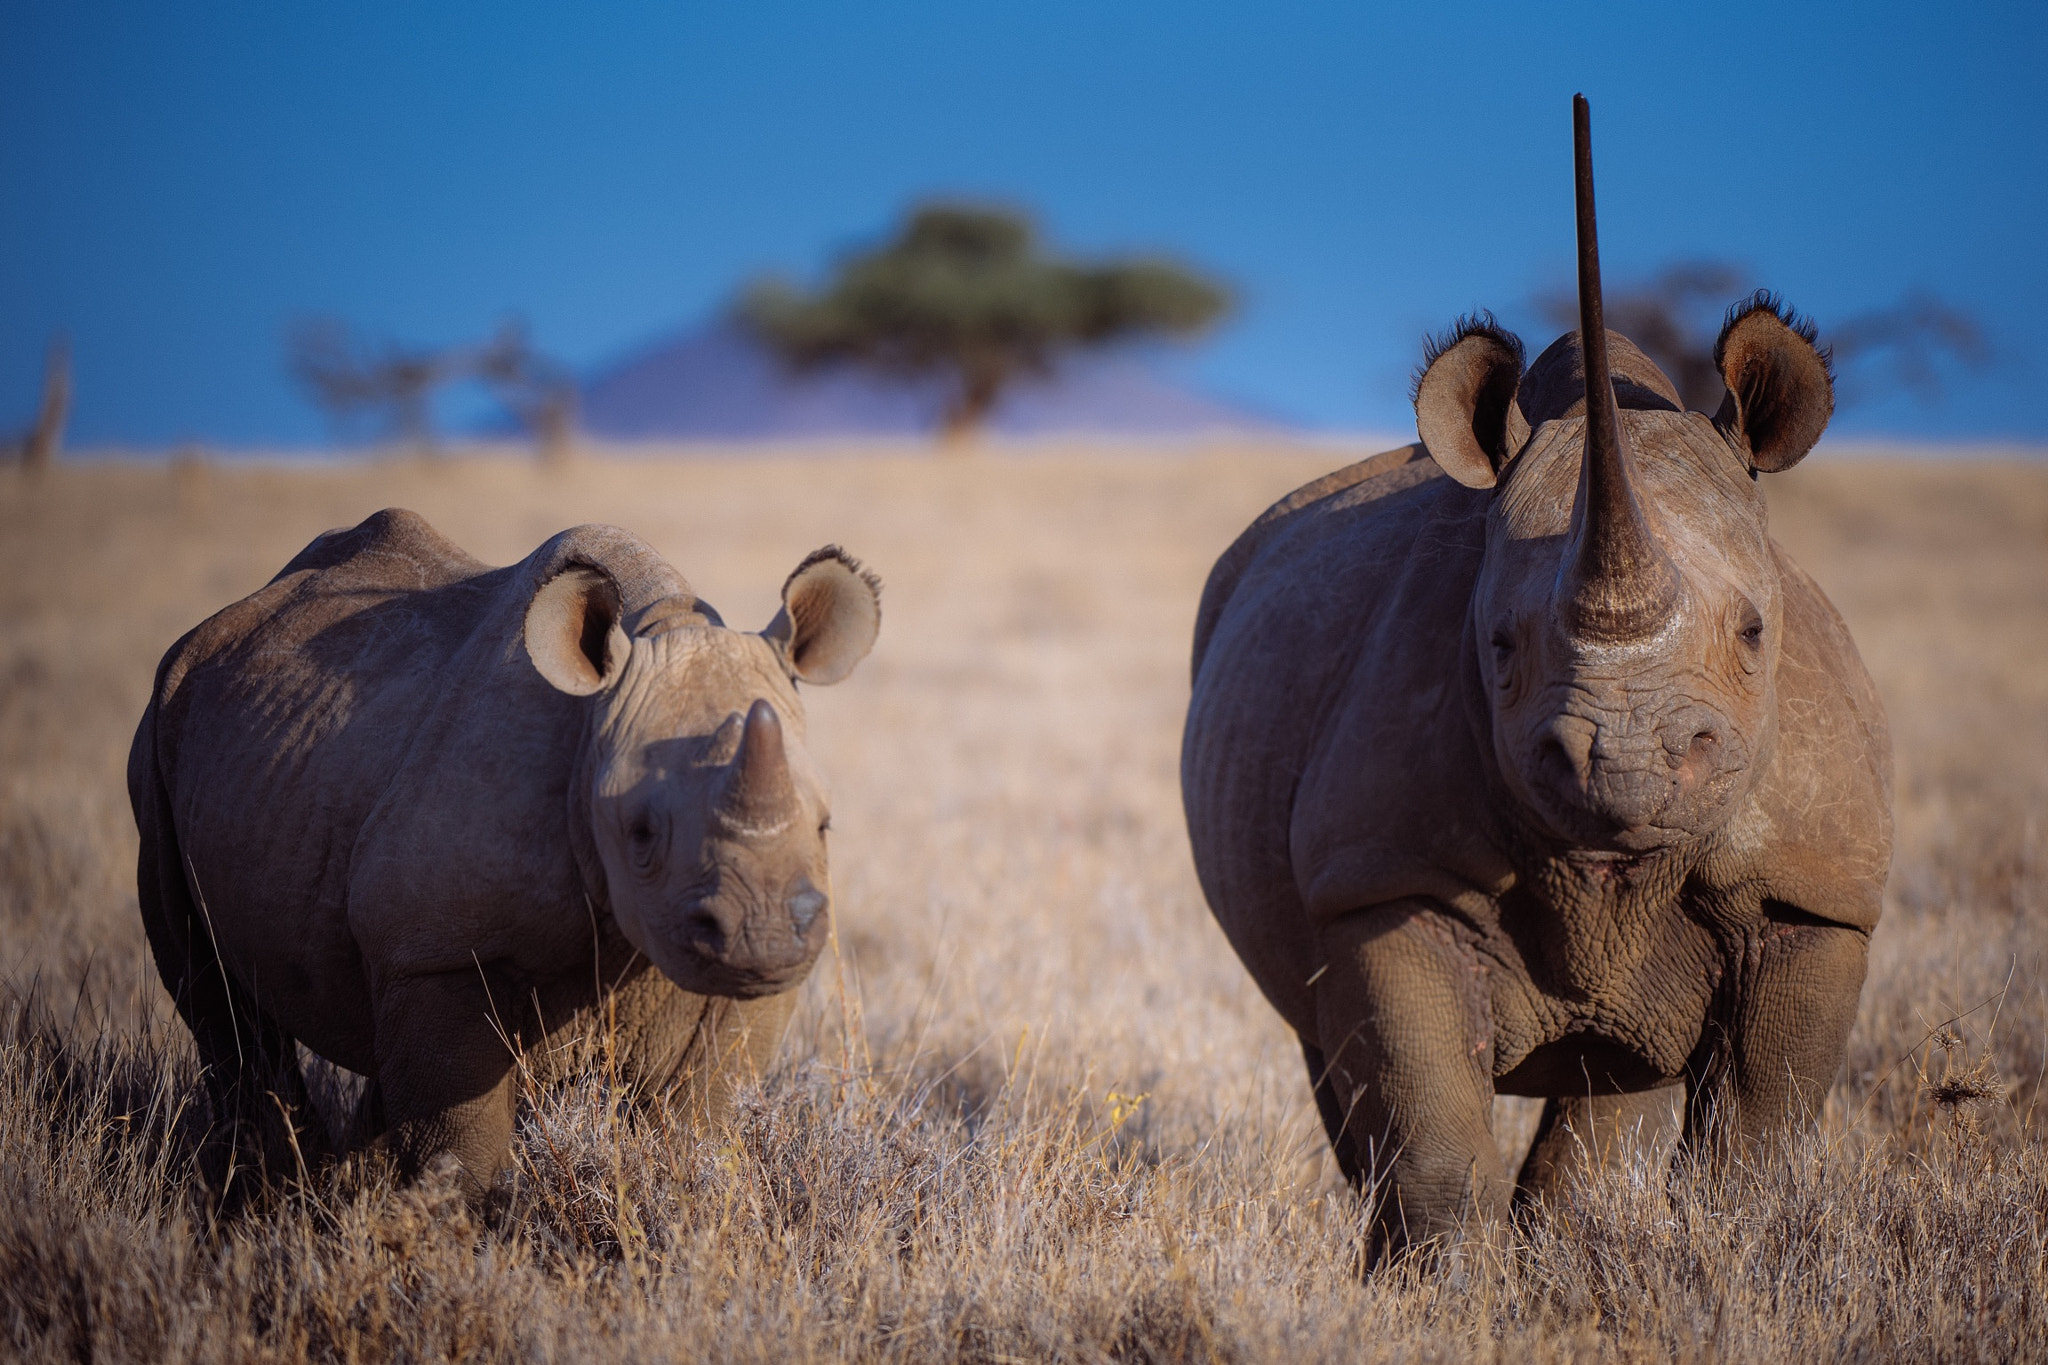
[(1031, 1103)]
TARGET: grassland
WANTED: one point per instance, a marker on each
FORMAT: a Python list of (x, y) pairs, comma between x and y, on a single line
[(1031, 1108)]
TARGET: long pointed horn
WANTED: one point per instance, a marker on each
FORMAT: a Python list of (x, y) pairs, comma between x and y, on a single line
[(1620, 583), (760, 793)]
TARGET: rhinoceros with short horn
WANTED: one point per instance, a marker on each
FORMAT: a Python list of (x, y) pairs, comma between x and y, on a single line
[(1524, 761), (418, 814)]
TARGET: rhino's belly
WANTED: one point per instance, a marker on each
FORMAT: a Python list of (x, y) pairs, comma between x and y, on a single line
[(321, 998), (1585, 1065)]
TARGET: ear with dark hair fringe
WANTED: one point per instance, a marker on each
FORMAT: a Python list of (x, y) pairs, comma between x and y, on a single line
[(1781, 382), (1481, 323), (831, 612), (1768, 301), (819, 556), (1464, 399)]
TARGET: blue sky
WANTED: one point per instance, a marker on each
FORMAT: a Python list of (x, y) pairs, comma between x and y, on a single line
[(182, 182)]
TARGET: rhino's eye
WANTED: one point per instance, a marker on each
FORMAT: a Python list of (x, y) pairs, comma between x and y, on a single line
[(1503, 651), (1753, 633), (640, 840), (824, 824)]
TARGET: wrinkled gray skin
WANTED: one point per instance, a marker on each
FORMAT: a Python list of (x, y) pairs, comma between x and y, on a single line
[(414, 812), (1523, 771)]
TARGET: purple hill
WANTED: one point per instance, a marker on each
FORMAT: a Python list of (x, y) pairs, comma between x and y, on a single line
[(721, 384)]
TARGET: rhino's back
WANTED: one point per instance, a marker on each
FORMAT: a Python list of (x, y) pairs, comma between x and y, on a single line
[(345, 643), (1334, 623), (1368, 481)]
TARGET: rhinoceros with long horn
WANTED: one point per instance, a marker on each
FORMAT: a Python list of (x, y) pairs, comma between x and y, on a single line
[(1523, 761), (427, 817)]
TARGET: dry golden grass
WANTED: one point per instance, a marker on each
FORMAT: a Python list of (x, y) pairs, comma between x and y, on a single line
[(1032, 1108)]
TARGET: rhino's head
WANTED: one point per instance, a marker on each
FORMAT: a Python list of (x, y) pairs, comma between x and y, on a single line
[(1628, 617), (704, 812)]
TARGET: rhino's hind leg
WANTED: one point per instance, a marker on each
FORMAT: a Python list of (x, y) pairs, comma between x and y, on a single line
[(1581, 1133), (262, 1123)]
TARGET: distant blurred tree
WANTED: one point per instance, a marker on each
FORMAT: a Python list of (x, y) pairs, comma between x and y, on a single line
[(1676, 315), (37, 447), (539, 392), (964, 291), (1911, 334), (350, 380)]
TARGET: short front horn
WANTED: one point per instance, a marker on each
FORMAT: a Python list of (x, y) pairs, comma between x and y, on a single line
[(1619, 584), (760, 792)]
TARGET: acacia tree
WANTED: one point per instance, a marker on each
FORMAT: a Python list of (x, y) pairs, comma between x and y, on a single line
[(965, 292), (1676, 314), (397, 383), (539, 392)]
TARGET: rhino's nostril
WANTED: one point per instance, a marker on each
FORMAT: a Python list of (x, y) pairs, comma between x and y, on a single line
[(705, 932), (1553, 760), (1701, 748), (806, 903)]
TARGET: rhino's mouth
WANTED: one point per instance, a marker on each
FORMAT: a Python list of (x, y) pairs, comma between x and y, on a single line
[(1609, 844), (1604, 814), (717, 979), (1615, 823), (748, 945), (1609, 862), (702, 971)]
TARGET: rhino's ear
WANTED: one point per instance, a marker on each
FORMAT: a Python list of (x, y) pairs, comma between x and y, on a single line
[(831, 612), (573, 633), (1465, 400), (1780, 389)]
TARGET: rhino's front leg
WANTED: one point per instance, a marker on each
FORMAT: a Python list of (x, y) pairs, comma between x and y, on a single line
[(1580, 1133), (1777, 1034), (444, 1070), (696, 1048), (1402, 1018)]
